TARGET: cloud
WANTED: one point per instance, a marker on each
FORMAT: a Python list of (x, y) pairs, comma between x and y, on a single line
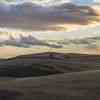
[(29, 16), (53, 2), (26, 41), (97, 1), (86, 43), (29, 40)]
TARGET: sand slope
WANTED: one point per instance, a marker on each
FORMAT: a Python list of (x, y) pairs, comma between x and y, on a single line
[(43, 64), (72, 86), (80, 84)]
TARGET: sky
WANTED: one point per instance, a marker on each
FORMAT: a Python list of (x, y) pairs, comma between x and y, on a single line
[(71, 25), (82, 2)]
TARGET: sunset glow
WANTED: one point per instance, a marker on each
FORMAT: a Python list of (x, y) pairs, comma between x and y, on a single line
[(62, 26)]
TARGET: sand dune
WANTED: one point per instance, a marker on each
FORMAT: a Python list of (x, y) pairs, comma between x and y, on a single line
[(42, 64), (70, 86), (74, 77)]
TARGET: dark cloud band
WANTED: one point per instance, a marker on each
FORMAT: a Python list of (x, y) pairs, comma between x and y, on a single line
[(29, 16)]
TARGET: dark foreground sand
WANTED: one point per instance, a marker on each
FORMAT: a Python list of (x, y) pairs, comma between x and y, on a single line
[(68, 85), (71, 86)]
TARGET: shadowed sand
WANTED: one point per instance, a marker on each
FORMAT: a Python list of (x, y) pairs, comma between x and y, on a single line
[(9, 94), (48, 63), (78, 77), (72, 86)]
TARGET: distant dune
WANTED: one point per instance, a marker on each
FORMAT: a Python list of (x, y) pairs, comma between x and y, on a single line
[(42, 64)]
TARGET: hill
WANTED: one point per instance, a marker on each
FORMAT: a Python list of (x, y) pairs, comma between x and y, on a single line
[(47, 63), (50, 76)]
